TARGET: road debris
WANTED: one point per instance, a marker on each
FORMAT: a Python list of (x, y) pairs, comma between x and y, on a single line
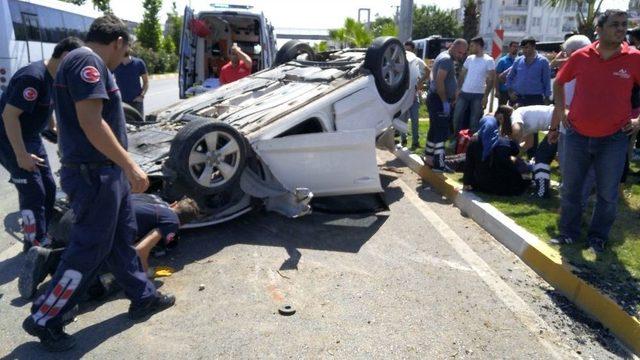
[(287, 310)]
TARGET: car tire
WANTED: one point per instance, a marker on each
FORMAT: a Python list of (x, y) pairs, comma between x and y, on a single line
[(192, 159), (387, 61), (291, 50), (131, 115)]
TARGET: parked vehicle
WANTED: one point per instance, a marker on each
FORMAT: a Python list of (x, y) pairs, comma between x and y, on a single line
[(281, 136), (431, 47), (31, 29), (208, 35)]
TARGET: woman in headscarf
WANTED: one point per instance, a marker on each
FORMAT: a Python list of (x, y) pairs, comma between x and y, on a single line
[(492, 165)]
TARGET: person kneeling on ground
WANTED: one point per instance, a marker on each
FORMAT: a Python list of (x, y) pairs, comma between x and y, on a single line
[(492, 165), (156, 220)]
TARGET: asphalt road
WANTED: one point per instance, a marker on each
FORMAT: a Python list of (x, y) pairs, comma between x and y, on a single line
[(416, 281), (162, 93)]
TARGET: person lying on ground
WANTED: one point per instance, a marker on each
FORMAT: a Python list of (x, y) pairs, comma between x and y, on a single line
[(157, 221)]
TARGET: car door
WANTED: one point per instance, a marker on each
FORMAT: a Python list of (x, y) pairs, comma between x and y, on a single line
[(187, 61), (333, 163)]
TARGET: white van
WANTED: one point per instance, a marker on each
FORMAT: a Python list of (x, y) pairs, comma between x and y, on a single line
[(208, 35)]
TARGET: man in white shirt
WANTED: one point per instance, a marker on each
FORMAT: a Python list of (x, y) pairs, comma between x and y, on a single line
[(477, 78)]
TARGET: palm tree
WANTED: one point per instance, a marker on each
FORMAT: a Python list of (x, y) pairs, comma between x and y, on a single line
[(586, 19), (352, 34)]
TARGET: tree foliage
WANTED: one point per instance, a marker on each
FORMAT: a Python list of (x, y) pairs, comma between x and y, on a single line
[(102, 5), (588, 11), (321, 46), (384, 26), (175, 27), (149, 32), (431, 20), (352, 34), (471, 20)]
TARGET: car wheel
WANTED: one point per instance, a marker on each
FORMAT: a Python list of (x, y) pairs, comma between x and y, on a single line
[(131, 115), (209, 157), (386, 60), (291, 50)]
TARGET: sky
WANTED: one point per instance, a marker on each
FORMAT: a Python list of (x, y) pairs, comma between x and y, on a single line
[(313, 14)]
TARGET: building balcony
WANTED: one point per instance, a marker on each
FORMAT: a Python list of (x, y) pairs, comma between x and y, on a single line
[(515, 7), (515, 28)]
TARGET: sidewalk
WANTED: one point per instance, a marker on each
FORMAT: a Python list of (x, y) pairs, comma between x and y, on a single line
[(543, 259)]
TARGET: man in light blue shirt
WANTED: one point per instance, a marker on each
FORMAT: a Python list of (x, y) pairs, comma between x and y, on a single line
[(529, 81), (503, 65)]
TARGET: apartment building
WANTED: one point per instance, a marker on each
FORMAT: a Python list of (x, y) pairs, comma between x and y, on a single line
[(634, 12), (520, 18)]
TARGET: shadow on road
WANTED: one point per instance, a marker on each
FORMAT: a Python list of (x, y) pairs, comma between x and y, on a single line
[(10, 269), (342, 224), (87, 339), (12, 226)]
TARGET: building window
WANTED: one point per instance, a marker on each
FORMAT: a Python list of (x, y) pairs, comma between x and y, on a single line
[(537, 3), (536, 21)]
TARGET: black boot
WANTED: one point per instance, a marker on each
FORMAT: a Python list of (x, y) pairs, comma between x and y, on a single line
[(439, 165), (542, 188), (34, 270), (54, 339), (158, 303)]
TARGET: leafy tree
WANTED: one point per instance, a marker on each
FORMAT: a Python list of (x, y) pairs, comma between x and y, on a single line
[(175, 27), (149, 31), (320, 46), (384, 26), (168, 46), (352, 34), (102, 5), (431, 20), (588, 11), (471, 20)]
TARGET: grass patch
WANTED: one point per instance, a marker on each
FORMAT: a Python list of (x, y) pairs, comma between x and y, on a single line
[(617, 271)]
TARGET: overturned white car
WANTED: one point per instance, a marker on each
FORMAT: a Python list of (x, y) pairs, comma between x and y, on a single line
[(277, 138)]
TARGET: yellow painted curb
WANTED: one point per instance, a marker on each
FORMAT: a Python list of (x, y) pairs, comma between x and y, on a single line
[(548, 263)]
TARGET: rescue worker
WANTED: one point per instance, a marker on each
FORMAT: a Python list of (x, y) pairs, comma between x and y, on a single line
[(26, 107), (157, 221), (98, 175)]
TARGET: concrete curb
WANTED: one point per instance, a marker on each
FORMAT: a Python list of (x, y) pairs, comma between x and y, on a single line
[(163, 76), (542, 258)]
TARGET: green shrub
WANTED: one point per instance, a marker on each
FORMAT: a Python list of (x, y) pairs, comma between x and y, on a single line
[(158, 61)]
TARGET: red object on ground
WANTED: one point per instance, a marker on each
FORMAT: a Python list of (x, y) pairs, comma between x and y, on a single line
[(199, 28), (230, 74), (463, 140)]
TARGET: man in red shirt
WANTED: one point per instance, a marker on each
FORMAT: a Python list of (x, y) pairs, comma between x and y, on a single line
[(237, 68), (597, 126)]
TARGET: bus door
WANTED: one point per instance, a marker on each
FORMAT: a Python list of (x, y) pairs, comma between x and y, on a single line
[(34, 40)]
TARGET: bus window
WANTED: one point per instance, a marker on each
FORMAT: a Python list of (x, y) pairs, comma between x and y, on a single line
[(51, 25), (74, 24), (32, 26), (16, 18)]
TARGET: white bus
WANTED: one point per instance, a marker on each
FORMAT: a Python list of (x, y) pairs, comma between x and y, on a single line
[(30, 29)]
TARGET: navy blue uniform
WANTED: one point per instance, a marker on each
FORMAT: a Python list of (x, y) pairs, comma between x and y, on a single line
[(98, 191), (30, 91), (128, 78), (152, 213)]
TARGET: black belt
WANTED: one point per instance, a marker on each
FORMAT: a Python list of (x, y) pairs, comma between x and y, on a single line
[(89, 165)]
